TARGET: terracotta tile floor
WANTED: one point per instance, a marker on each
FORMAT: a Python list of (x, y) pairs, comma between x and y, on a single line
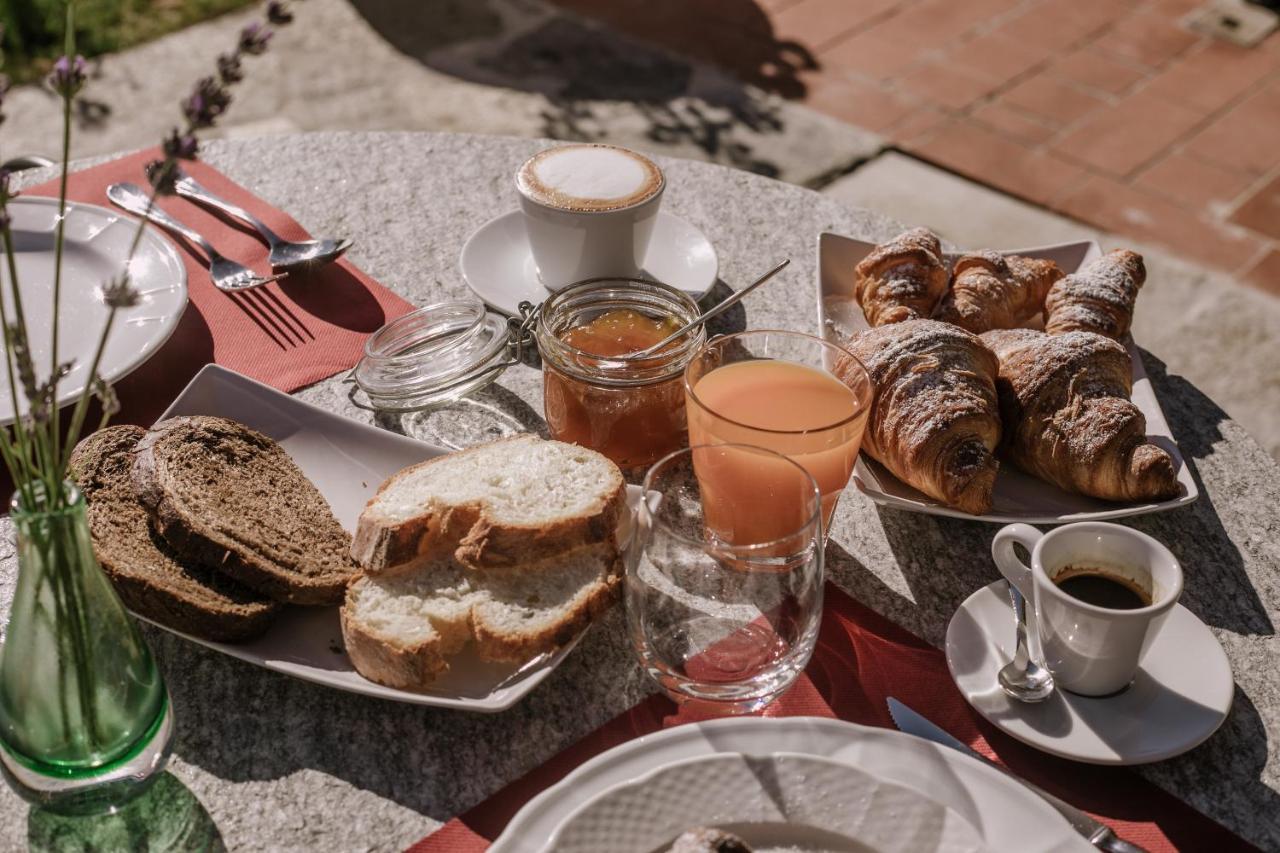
[(1106, 110)]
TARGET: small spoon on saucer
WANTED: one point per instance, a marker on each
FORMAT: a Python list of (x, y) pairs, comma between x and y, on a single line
[(1022, 678), (719, 308)]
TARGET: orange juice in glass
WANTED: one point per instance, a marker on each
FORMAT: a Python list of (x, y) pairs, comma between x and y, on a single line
[(788, 392)]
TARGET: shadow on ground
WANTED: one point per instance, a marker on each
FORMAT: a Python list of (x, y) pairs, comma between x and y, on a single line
[(168, 817), (585, 70)]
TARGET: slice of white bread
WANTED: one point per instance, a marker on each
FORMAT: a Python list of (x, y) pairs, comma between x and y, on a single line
[(401, 629), (508, 503), (519, 615)]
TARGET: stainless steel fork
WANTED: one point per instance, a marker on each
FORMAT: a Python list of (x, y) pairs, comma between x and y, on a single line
[(226, 274)]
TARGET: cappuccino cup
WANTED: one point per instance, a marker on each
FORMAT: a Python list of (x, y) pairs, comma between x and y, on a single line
[(589, 211), (1125, 585)]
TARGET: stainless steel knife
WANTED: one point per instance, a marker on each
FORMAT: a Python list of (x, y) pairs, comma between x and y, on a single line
[(1099, 835)]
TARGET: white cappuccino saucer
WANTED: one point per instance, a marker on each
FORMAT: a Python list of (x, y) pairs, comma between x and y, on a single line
[(498, 266), (1181, 694)]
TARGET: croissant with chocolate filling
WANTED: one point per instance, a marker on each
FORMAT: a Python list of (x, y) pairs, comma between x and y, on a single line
[(1098, 297), (934, 421), (992, 291), (1068, 418), (902, 279)]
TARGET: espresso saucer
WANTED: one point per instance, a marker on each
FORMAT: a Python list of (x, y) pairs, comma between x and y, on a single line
[(498, 266), (1181, 694)]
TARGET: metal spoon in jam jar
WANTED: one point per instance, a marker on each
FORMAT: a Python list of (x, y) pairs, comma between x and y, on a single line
[(719, 308)]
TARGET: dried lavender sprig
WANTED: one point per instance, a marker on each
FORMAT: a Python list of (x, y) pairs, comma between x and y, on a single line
[(68, 76), (202, 109), (67, 79), (5, 194), (119, 293), (212, 96)]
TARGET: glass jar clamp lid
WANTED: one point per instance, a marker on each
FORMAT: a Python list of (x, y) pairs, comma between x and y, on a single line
[(438, 354)]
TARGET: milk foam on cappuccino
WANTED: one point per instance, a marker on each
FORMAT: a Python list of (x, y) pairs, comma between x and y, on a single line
[(589, 178)]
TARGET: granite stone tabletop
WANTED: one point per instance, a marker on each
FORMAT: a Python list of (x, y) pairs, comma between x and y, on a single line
[(266, 762)]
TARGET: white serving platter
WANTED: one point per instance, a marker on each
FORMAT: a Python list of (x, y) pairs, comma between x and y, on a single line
[(348, 461), (1006, 814), (94, 252), (1017, 496)]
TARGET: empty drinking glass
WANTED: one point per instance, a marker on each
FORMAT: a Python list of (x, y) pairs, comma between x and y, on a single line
[(722, 607)]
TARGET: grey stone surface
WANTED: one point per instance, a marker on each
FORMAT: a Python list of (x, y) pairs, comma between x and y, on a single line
[(1222, 336), (283, 765), (518, 67)]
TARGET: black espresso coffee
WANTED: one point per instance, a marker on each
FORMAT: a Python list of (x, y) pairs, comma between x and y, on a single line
[(1101, 587)]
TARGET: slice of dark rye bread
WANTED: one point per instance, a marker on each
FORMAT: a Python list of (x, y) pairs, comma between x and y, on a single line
[(226, 496), (149, 577)]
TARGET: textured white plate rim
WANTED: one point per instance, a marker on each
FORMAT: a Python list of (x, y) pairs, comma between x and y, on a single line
[(1182, 636), (498, 295), (799, 757), (152, 243), (867, 472), (1017, 817), (505, 693)]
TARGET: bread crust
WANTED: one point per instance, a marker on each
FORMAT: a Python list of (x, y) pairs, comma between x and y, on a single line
[(471, 535), (381, 660), (497, 645), (158, 604), (198, 541), (96, 472)]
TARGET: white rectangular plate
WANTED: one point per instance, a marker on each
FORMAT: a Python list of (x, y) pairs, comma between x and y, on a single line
[(1017, 496), (347, 461)]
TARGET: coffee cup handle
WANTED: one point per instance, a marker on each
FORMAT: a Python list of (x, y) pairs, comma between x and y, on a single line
[(1015, 571)]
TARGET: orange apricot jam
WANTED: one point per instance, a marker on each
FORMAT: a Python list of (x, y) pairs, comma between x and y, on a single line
[(632, 411)]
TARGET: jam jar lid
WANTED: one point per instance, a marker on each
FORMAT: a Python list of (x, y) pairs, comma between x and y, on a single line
[(435, 355)]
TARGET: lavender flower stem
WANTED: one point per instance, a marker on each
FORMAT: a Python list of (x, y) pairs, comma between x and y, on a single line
[(67, 98), (82, 405), (19, 429)]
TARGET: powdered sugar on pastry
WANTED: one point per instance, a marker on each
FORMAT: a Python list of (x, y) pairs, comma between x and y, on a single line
[(1097, 298), (991, 291), (1068, 419), (902, 279), (934, 421)]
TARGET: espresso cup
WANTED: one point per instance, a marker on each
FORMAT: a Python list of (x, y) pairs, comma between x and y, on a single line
[(589, 211), (1090, 649)]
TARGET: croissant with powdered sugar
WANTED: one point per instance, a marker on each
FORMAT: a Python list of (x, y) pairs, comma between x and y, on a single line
[(901, 280), (934, 420), (1068, 418), (994, 291), (1098, 297)]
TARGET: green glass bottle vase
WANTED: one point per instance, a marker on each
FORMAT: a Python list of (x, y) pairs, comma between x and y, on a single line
[(85, 720)]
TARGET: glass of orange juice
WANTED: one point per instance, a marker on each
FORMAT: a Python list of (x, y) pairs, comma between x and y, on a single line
[(788, 392)]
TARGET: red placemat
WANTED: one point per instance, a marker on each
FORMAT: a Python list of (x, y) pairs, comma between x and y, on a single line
[(861, 659), (288, 334)]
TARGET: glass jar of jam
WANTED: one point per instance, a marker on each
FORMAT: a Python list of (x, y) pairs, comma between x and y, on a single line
[(596, 393)]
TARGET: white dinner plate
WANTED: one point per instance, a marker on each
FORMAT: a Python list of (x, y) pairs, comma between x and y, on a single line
[(1180, 697), (498, 265), (347, 461), (784, 801), (1017, 496), (1006, 815), (96, 245)]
